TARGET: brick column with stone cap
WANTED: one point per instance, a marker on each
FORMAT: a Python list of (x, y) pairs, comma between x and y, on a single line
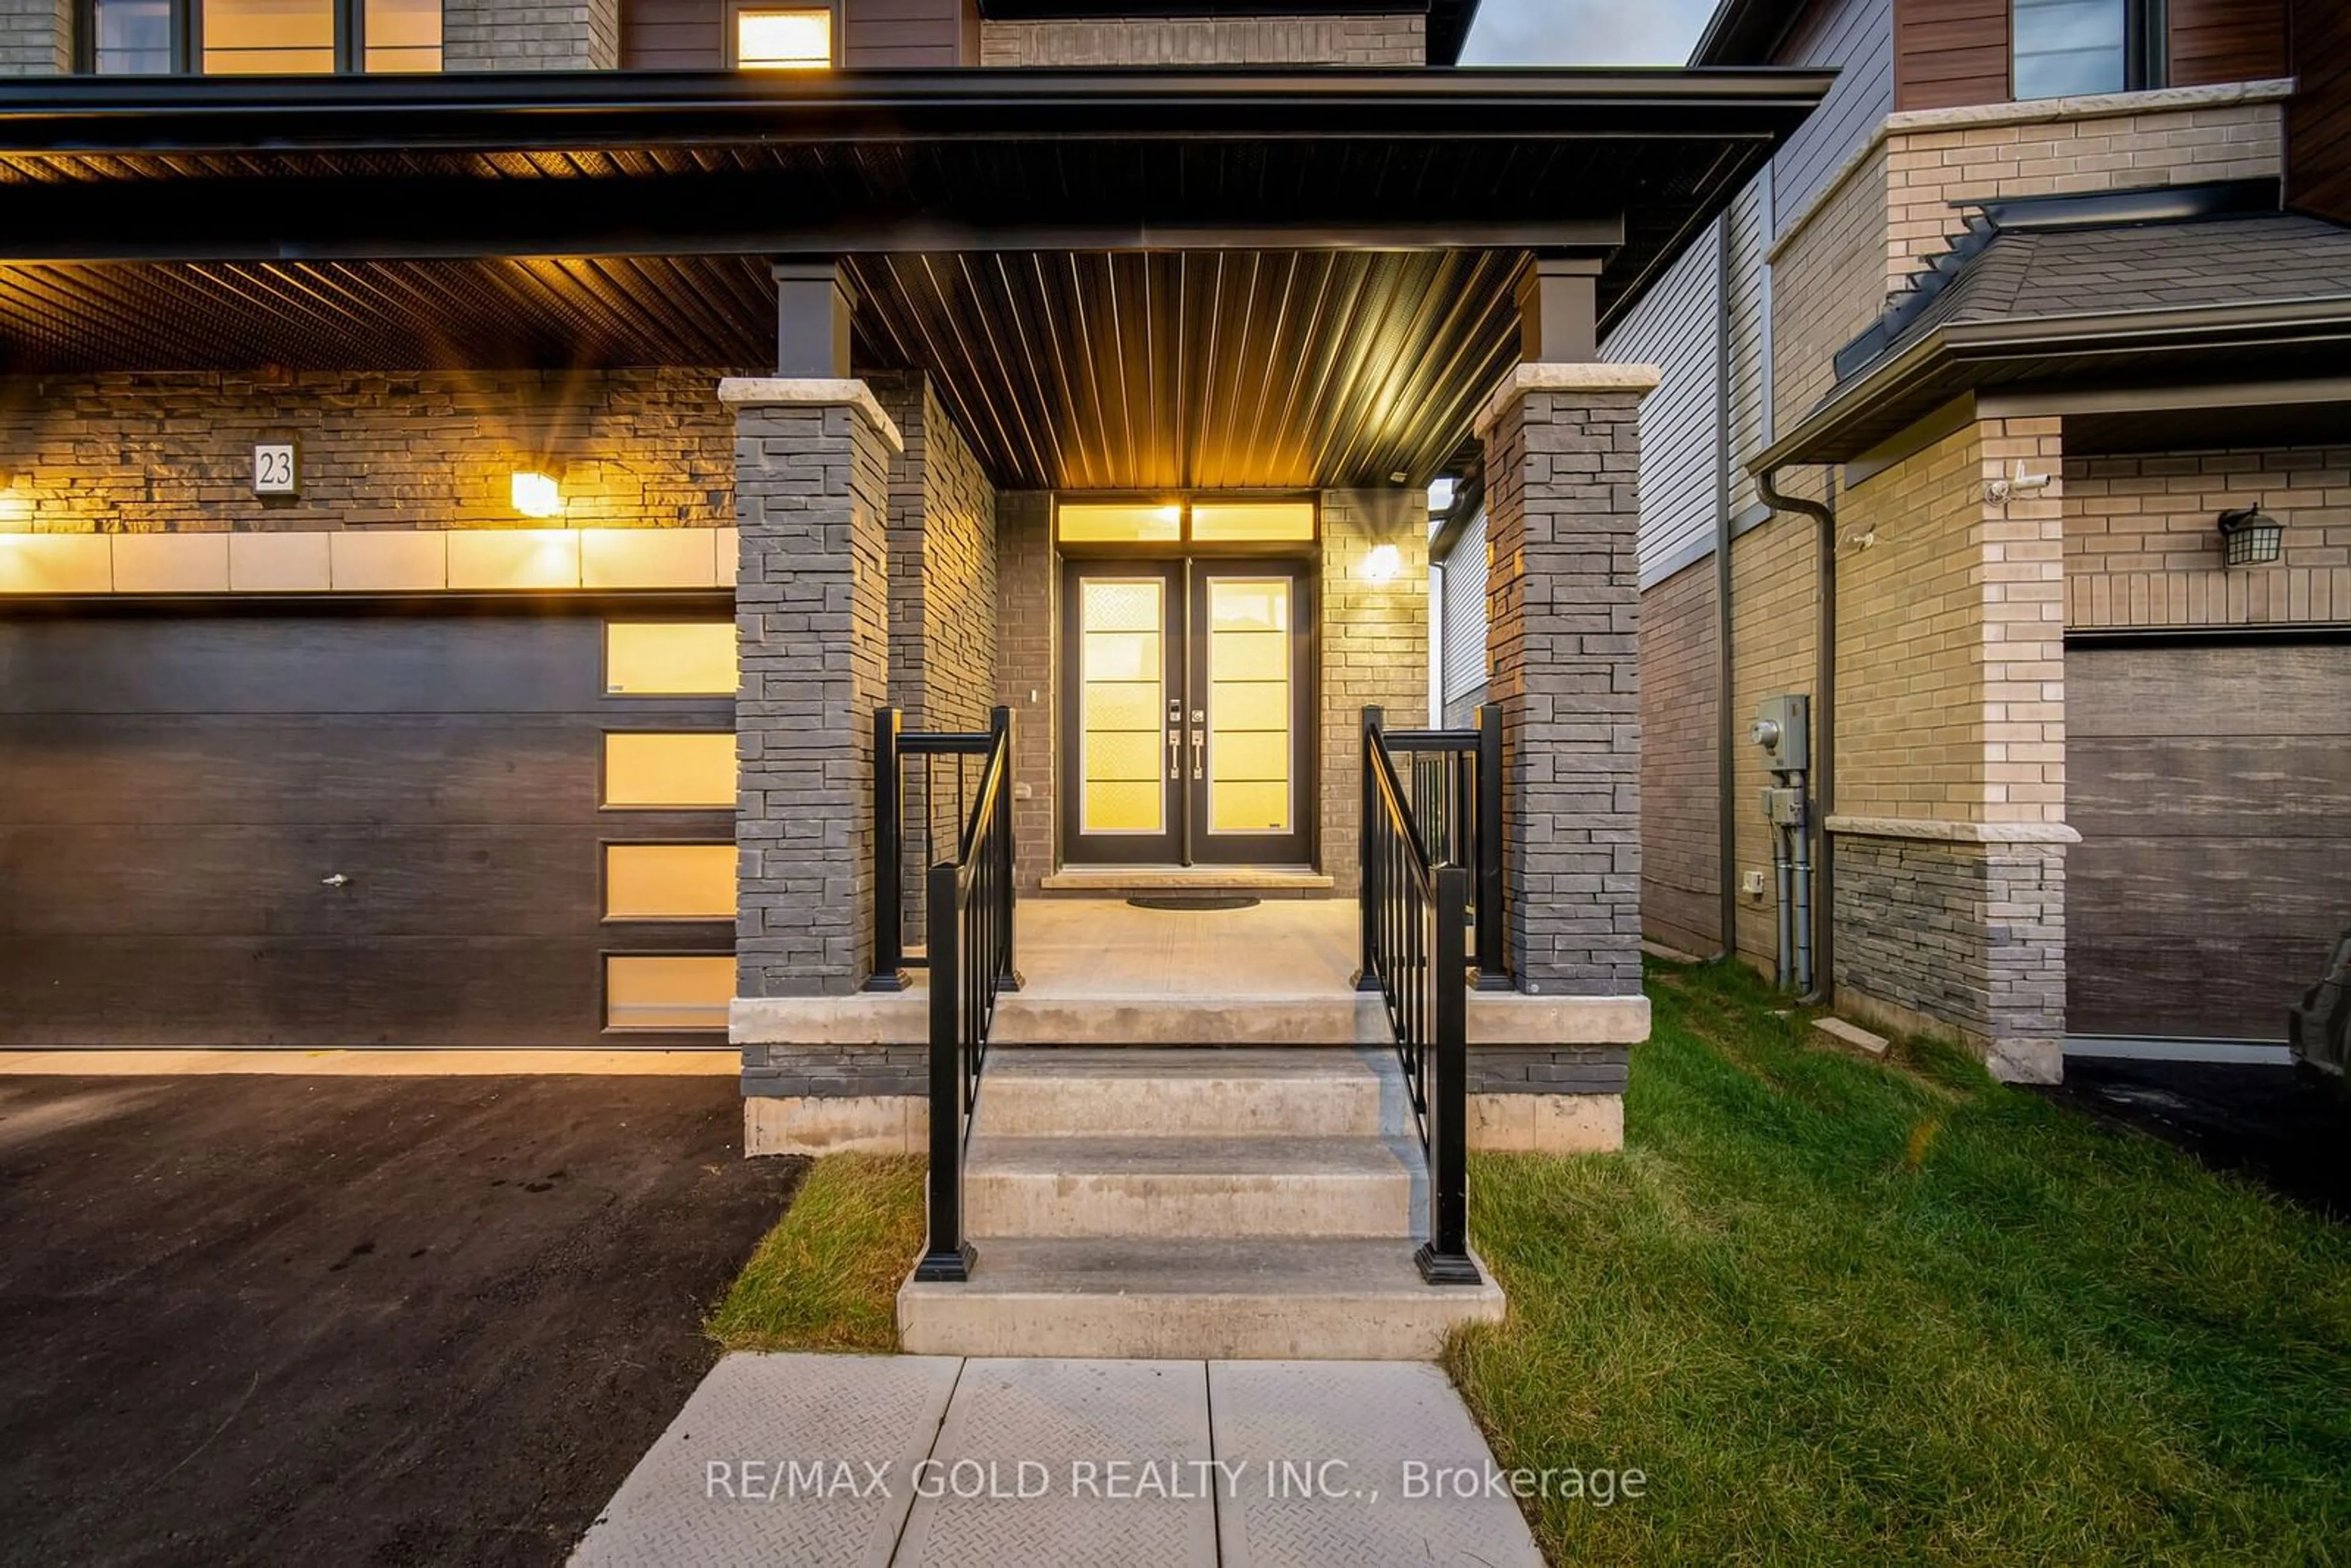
[(813, 602), (1562, 467)]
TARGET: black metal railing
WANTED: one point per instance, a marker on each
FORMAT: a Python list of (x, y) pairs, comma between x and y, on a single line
[(1416, 949), (922, 784), (967, 919), (1453, 781)]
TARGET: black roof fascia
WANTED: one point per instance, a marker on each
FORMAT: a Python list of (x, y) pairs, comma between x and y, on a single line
[(1965, 356), (1448, 20), (526, 111), (1745, 31)]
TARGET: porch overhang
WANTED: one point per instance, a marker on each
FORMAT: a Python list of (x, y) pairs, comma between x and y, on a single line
[(1120, 278)]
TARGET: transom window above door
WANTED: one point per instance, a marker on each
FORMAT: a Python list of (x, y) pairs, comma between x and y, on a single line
[(1210, 520), (245, 38)]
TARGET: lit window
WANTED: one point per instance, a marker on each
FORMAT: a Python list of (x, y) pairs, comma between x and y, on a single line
[(268, 36), (1228, 522), (402, 34), (675, 772), (669, 658), (772, 39), (669, 882), (2065, 48), (667, 991), (1124, 523)]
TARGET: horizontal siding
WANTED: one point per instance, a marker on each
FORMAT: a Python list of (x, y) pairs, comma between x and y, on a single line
[(673, 34), (897, 35), (1856, 36), (2228, 40), (1675, 328), (1950, 53), (1461, 669)]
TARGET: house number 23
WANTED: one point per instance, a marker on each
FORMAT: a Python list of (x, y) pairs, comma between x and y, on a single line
[(273, 469)]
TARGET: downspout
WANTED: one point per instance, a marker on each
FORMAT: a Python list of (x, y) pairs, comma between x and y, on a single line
[(1823, 779), (1726, 766)]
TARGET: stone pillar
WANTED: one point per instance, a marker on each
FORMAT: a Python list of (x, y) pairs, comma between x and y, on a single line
[(1563, 462), (530, 35), (812, 500), (35, 38)]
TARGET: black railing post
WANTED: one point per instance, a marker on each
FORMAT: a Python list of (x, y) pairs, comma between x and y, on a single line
[(1493, 969), (889, 852), (1367, 893), (948, 1257), (1007, 977), (1443, 1259)]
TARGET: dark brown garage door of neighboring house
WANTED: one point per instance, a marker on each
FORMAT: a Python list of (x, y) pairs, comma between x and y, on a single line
[(2211, 785), (322, 826)]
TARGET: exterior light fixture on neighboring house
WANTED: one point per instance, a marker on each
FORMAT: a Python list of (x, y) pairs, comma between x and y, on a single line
[(536, 495), (1383, 564), (2249, 537)]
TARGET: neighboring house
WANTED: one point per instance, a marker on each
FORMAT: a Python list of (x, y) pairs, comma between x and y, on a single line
[(2039, 294)]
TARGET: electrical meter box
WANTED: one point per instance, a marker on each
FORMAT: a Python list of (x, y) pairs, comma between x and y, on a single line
[(1783, 727)]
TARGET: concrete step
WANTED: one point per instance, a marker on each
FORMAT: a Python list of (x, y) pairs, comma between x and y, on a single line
[(1117, 1186), (1340, 1017), (1321, 1300), (1143, 1093)]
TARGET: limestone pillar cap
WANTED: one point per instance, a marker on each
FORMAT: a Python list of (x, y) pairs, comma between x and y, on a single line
[(1953, 832), (810, 392), (1640, 380)]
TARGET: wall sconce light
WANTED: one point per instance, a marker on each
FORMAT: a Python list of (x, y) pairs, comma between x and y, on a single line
[(2249, 537), (1383, 564), (536, 495)]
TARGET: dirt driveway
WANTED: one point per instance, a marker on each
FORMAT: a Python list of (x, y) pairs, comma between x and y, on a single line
[(352, 1320)]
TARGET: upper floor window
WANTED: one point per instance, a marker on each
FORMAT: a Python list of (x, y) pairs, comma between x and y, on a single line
[(780, 38), (2064, 48), (232, 38)]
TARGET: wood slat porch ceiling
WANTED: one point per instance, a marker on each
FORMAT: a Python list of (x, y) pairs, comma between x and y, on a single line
[(1130, 371)]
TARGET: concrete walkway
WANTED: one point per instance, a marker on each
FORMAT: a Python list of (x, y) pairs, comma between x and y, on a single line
[(874, 1460)]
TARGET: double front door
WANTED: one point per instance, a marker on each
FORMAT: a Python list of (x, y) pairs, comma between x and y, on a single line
[(1187, 722)]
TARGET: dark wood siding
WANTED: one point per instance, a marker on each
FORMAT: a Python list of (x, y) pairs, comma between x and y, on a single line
[(1947, 53), (2318, 119), (2227, 40), (174, 789), (2212, 786), (875, 34), (673, 34)]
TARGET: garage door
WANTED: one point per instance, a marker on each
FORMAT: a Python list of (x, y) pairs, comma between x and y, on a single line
[(486, 825), (2211, 785)]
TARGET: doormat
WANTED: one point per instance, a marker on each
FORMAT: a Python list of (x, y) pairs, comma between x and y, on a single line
[(1194, 901)]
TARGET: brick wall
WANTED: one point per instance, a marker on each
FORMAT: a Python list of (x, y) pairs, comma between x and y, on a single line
[(35, 38), (1966, 938), (1029, 594), (2142, 547), (507, 36), (1564, 615), (1827, 286), (1681, 860), (813, 500), (431, 450), (1374, 650), (1392, 40), (1773, 639)]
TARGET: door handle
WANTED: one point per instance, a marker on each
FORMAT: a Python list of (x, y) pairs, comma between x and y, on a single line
[(1175, 754), (1199, 740), (338, 880)]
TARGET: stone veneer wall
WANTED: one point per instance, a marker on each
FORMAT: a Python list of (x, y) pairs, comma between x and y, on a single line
[(421, 450), (1029, 594), (1362, 41), (1958, 938), (1563, 621), (530, 35), (812, 501), (2141, 548), (1681, 856), (1374, 650), (35, 38)]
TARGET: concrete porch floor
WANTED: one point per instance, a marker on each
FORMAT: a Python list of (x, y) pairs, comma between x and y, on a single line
[(1105, 948)]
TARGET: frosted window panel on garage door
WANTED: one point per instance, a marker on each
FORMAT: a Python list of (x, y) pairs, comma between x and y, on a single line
[(669, 882), (670, 658), (667, 991), (676, 772)]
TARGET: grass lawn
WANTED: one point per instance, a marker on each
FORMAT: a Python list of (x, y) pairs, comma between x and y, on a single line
[(827, 1276), (1841, 1311)]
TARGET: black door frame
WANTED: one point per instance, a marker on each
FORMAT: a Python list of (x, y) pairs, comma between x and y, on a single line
[(1185, 568)]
